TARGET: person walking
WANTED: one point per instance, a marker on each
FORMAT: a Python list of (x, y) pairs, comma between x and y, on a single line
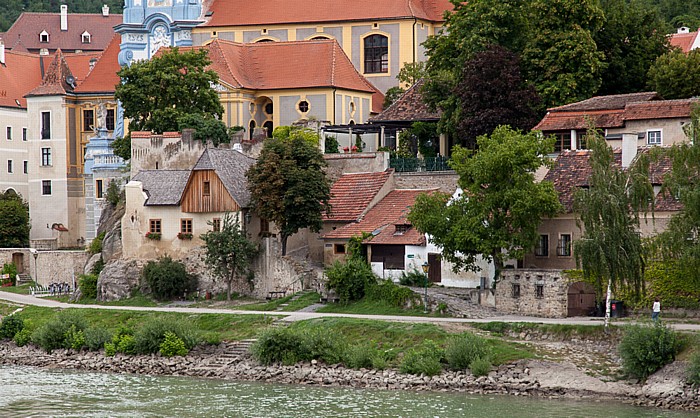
[(656, 310)]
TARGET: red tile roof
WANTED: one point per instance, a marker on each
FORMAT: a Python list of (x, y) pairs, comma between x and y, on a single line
[(55, 79), (271, 12), (571, 171), (268, 65), (103, 77), (352, 193), (613, 111), (20, 74), (684, 41), (389, 211), (408, 108), (28, 26)]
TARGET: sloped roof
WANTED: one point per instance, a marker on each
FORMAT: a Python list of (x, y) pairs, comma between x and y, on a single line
[(571, 171), (614, 101), (558, 121), (268, 65), (20, 74), (408, 108), (55, 79), (659, 109), (684, 41), (103, 77), (79, 64), (28, 26), (231, 167), (351, 194), (163, 187), (269, 12), (391, 210)]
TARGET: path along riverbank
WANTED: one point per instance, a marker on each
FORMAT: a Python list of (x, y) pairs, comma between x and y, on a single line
[(665, 389)]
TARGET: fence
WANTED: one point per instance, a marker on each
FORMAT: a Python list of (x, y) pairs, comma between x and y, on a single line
[(403, 165)]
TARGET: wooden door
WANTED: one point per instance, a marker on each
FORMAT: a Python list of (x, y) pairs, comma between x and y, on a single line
[(435, 270), (581, 299), (18, 261)]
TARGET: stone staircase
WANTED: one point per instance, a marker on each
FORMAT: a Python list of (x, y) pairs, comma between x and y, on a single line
[(24, 278), (295, 297)]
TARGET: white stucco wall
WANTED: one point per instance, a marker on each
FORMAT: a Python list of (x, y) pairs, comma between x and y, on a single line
[(15, 149)]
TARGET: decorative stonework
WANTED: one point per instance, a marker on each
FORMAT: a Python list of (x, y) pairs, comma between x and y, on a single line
[(532, 292)]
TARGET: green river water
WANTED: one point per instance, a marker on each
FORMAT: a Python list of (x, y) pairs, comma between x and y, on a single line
[(32, 392)]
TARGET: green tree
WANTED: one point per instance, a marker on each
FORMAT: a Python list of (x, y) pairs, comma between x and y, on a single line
[(676, 75), (392, 95), (288, 185), (561, 57), (501, 206), (632, 38), (291, 133), (158, 93), (229, 252), (610, 250), (168, 278), (14, 227), (411, 72)]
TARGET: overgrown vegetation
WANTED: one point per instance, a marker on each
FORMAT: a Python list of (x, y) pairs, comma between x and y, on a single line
[(96, 244), (10, 326), (88, 286), (11, 270), (462, 350), (168, 278), (693, 371), (644, 349), (350, 279), (424, 359), (413, 278)]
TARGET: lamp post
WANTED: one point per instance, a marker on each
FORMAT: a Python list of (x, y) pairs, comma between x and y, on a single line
[(35, 253), (426, 268)]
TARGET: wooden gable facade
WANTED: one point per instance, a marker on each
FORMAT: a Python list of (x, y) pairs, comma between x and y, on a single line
[(205, 192)]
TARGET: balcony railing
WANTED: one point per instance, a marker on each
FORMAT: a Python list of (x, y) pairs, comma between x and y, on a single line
[(407, 165)]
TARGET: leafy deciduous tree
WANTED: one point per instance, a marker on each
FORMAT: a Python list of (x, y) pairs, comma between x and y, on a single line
[(610, 249), (288, 185), (676, 75), (498, 213), (492, 92), (229, 251), (14, 224)]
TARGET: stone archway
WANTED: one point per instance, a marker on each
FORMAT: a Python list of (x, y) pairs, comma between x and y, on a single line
[(581, 299)]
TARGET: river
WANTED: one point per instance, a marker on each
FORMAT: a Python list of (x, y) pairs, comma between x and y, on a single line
[(32, 392)]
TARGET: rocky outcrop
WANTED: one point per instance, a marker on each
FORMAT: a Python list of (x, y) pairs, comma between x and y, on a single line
[(118, 279), (90, 265), (523, 378)]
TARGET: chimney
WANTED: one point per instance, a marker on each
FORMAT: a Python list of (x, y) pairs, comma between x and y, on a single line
[(629, 149), (2, 52), (105, 10), (64, 17), (684, 29)]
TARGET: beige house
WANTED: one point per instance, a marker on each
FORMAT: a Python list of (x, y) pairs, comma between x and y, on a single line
[(168, 210)]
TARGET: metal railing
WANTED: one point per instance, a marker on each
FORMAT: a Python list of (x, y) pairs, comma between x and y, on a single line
[(404, 165)]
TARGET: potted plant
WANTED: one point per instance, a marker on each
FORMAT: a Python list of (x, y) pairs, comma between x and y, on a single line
[(184, 235), (153, 235), (346, 149)]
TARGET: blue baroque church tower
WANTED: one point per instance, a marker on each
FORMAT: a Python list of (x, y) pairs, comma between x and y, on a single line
[(149, 25)]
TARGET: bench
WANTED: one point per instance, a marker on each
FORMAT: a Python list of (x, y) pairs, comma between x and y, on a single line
[(276, 295)]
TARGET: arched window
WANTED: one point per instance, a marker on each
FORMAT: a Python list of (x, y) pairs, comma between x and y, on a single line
[(320, 38), (251, 128), (268, 127), (376, 54)]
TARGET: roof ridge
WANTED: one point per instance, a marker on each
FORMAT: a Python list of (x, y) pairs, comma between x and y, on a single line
[(223, 57)]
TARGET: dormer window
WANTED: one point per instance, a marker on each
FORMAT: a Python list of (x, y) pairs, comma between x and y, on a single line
[(85, 37), (44, 37), (401, 229)]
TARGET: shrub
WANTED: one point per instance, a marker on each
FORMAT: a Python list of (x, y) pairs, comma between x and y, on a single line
[(321, 345), (350, 279), (364, 356), (23, 337), (10, 326), (413, 278), (462, 350), (645, 349), (96, 337), (172, 346), (114, 193), (88, 286), (53, 333), (74, 338), (151, 334), (96, 244), (110, 349), (278, 346), (693, 370), (480, 366), (168, 278), (10, 269), (424, 360), (392, 294), (125, 343), (331, 145)]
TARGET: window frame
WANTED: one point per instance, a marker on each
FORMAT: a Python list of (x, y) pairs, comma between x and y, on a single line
[(46, 158), (561, 140), (563, 251), (88, 121), (216, 224), (8, 133), (206, 188), (375, 56), (155, 226), (542, 247), (110, 119), (45, 125), (99, 189), (654, 131), (539, 291), (10, 167), (44, 37), (25, 134), (515, 290), (186, 225), (339, 248), (25, 166), (44, 185)]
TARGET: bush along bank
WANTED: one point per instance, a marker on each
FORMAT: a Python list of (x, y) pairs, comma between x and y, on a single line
[(329, 352)]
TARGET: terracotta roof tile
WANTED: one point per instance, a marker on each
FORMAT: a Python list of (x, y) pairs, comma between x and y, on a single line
[(351, 194), (270, 12), (266, 65), (55, 79), (141, 134), (79, 64), (389, 211), (409, 107), (557, 121), (684, 41), (28, 26), (18, 76), (103, 77), (615, 101), (659, 109)]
